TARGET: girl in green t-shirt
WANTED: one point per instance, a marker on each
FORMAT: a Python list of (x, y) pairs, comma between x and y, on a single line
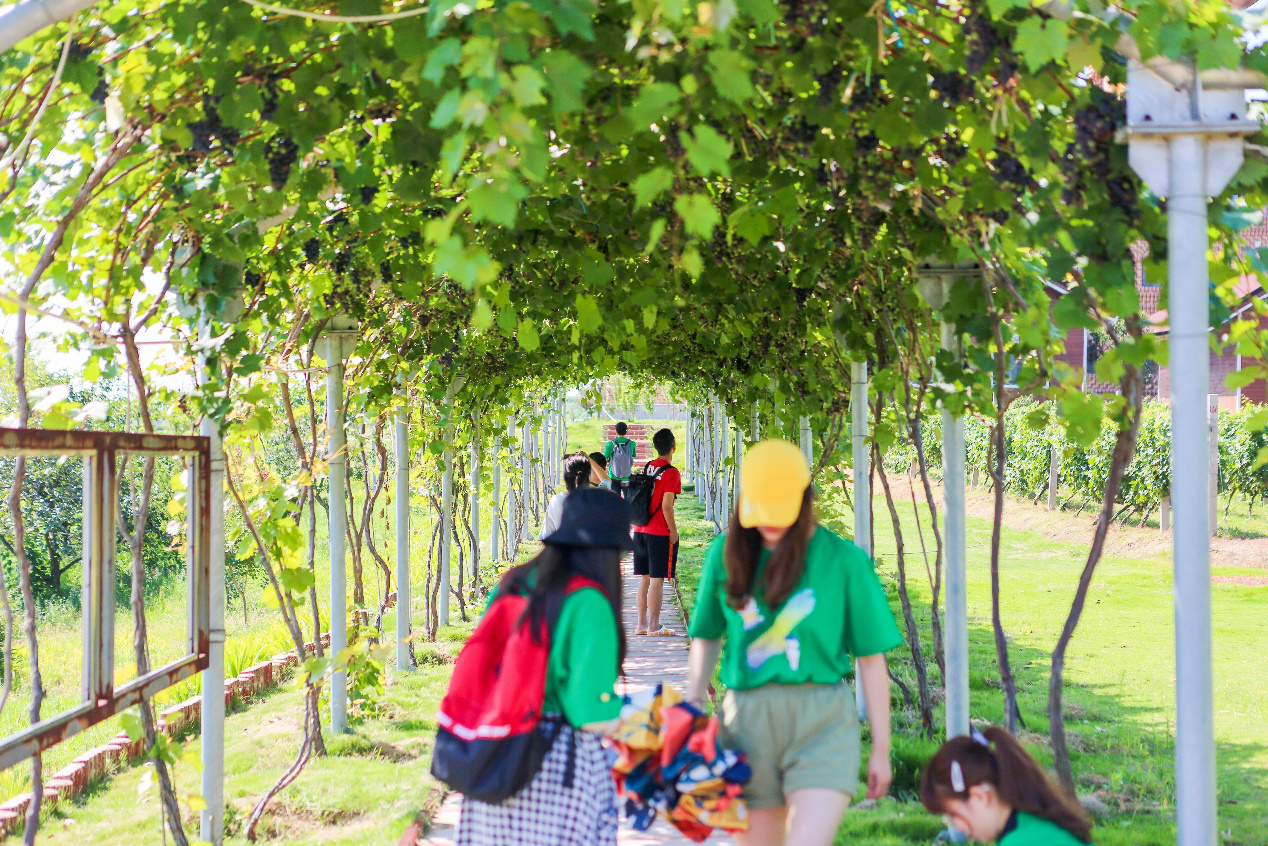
[(572, 800), (794, 604), (988, 787)]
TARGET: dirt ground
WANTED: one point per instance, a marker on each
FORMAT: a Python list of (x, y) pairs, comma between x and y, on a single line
[(1127, 541)]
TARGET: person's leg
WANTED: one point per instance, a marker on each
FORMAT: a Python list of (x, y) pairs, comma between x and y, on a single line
[(765, 828), (814, 815), (643, 583), (656, 595)]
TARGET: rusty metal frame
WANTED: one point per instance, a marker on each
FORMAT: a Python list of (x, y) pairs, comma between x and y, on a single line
[(101, 452)]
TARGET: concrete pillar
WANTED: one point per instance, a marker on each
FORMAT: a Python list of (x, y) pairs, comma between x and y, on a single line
[(446, 518), (1164, 514), (495, 526), (475, 480), (956, 622), (807, 441)]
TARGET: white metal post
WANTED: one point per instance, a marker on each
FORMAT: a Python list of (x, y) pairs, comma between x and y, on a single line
[(689, 459), (862, 485), (956, 621), (212, 816), (446, 520), (338, 461), (807, 441), (475, 497), (403, 599), (495, 512), (1190, 381), (1054, 476), (526, 449), (1213, 430), (1185, 140), (738, 453)]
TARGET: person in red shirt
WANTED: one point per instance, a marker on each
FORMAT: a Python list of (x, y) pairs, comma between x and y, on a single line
[(656, 544)]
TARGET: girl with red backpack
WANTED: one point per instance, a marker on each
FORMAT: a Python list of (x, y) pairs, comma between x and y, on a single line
[(534, 690)]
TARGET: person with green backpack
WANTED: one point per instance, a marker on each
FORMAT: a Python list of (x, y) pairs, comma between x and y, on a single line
[(620, 453)]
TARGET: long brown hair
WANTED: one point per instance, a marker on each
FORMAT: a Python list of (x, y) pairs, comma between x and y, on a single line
[(743, 553), (544, 580), (1002, 763)]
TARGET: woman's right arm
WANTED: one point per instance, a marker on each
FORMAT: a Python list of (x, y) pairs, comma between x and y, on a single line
[(701, 662)]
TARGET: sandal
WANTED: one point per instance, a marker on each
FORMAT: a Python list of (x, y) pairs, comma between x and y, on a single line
[(640, 631), (663, 631)]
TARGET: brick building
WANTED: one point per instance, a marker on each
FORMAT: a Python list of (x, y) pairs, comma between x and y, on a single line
[(1082, 348)]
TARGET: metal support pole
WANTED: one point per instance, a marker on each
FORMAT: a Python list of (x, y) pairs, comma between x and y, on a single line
[(956, 621), (1164, 514), (526, 448), (212, 816), (689, 460), (1054, 477), (862, 486), (807, 441), (338, 460), (1190, 475), (1213, 429), (446, 523), (475, 498), (738, 453), (495, 526), (403, 599)]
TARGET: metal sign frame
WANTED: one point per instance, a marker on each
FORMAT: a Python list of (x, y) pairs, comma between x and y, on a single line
[(101, 453)]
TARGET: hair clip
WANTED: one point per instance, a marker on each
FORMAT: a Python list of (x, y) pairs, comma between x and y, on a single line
[(977, 737), (957, 777)]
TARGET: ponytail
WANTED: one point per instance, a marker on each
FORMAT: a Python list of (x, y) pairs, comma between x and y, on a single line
[(577, 471), (993, 756)]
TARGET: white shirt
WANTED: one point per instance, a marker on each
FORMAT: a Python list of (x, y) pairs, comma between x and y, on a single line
[(554, 513)]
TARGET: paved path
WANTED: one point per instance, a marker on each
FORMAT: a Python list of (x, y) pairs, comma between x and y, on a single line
[(649, 660)]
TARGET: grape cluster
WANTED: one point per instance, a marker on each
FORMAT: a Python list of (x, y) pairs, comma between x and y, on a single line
[(829, 85), (986, 43), (1010, 171), (342, 262), (368, 193), (210, 129), (78, 51), (1088, 161), (280, 153), (251, 279), (952, 86), (385, 272), (268, 95), (100, 93), (312, 250), (865, 93)]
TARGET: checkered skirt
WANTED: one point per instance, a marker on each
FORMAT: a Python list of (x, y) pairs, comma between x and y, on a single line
[(546, 813)]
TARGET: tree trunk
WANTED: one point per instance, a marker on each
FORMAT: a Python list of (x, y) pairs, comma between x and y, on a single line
[(1124, 448)]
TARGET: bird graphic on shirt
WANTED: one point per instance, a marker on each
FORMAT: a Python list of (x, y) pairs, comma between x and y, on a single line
[(777, 639)]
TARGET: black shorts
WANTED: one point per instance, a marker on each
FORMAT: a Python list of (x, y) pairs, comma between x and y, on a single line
[(654, 556)]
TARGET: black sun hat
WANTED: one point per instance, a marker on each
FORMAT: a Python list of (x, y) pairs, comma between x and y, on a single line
[(593, 517)]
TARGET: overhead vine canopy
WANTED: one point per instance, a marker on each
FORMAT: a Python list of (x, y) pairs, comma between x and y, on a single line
[(728, 194)]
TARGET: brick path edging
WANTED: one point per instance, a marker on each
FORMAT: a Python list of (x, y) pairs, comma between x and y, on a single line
[(75, 777)]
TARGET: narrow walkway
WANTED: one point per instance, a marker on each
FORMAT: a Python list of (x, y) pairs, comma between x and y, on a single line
[(650, 660)]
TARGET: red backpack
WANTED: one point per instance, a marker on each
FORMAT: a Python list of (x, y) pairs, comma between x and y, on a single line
[(492, 738)]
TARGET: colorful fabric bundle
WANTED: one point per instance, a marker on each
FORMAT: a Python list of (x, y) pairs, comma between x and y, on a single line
[(667, 760)]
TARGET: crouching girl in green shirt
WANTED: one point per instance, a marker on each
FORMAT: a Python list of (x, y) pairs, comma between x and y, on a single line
[(572, 800), (988, 787), (794, 603)]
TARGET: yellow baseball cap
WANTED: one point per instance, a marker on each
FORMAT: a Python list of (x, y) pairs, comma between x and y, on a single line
[(773, 482)]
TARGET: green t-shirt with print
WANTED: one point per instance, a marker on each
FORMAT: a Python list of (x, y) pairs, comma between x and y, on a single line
[(837, 611), (1033, 831), (584, 660)]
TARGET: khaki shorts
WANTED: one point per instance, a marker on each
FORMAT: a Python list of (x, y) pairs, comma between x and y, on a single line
[(796, 736)]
